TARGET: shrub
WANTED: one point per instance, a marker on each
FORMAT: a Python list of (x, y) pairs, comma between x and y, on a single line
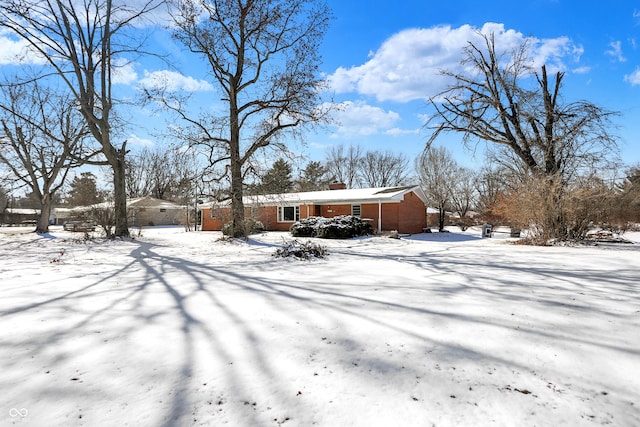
[(553, 211), (105, 218), (307, 250), (307, 227), (339, 227), (251, 226)]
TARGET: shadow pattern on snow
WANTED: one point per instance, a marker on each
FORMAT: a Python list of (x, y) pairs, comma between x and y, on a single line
[(169, 318)]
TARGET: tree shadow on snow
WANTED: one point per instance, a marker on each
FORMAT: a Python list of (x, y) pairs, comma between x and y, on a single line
[(189, 301)]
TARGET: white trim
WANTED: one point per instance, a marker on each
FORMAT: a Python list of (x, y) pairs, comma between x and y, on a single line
[(296, 213), (360, 196), (353, 196)]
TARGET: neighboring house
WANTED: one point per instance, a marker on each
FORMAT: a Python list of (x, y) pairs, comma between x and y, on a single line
[(19, 216), (141, 212), (61, 215), (391, 208), (147, 211)]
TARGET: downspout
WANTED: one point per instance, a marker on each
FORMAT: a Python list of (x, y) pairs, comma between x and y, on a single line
[(379, 216)]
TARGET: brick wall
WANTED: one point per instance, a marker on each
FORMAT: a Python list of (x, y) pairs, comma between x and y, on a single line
[(413, 213), (408, 216)]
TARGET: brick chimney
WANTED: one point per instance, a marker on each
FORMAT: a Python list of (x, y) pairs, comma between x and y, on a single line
[(337, 186)]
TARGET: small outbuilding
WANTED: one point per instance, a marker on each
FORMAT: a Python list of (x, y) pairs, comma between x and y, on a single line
[(402, 209)]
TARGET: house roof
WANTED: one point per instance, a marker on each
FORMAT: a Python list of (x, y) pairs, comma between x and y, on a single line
[(135, 203), (22, 211), (355, 195), (150, 202)]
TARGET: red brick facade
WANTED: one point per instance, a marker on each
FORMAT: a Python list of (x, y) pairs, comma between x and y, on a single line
[(407, 216)]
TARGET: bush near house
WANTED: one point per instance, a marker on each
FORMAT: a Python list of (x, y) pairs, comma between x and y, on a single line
[(339, 227), (251, 226), (307, 227)]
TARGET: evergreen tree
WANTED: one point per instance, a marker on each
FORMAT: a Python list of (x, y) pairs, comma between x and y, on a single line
[(314, 177), (84, 190), (277, 179)]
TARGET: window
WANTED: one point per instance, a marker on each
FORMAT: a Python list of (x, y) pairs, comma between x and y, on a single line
[(355, 210), (288, 213), (163, 210), (212, 212)]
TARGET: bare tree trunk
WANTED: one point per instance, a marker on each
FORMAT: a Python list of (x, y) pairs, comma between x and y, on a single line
[(237, 181), (237, 191), (441, 217), (555, 226), (45, 212), (120, 196)]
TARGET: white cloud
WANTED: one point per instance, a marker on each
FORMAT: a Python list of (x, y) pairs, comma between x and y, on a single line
[(360, 119), (138, 141), (581, 70), (616, 51), (124, 72), (633, 78), (173, 82), (407, 66), (400, 132), (17, 52)]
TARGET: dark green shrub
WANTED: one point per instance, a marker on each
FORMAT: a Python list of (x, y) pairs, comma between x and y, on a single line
[(339, 227), (307, 227)]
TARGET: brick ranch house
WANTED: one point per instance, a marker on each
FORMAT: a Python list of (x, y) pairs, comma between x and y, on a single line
[(390, 208)]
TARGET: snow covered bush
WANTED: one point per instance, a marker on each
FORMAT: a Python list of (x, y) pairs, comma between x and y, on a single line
[(306, 250), (344, 227), (307, 227), (339, 227)]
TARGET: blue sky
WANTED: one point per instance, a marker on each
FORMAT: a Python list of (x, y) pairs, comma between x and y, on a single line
[(382, 60), (596, 44)]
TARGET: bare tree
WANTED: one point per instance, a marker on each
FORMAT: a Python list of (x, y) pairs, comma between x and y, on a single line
[(42, 141), (264, 57), (138, 166), (345, 166), (151, 173), (490, 184), (82, 42), (463, 194), (383, 169), (164, 173), (549, 139), (436, 171), (630, 189), (187, 182)]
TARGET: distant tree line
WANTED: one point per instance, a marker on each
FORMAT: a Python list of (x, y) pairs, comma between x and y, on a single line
[(551, 163)]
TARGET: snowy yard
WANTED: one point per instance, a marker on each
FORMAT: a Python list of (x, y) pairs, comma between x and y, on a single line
[(442, 329)]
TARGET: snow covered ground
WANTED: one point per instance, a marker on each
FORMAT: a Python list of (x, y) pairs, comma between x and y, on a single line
[(443, 329)]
